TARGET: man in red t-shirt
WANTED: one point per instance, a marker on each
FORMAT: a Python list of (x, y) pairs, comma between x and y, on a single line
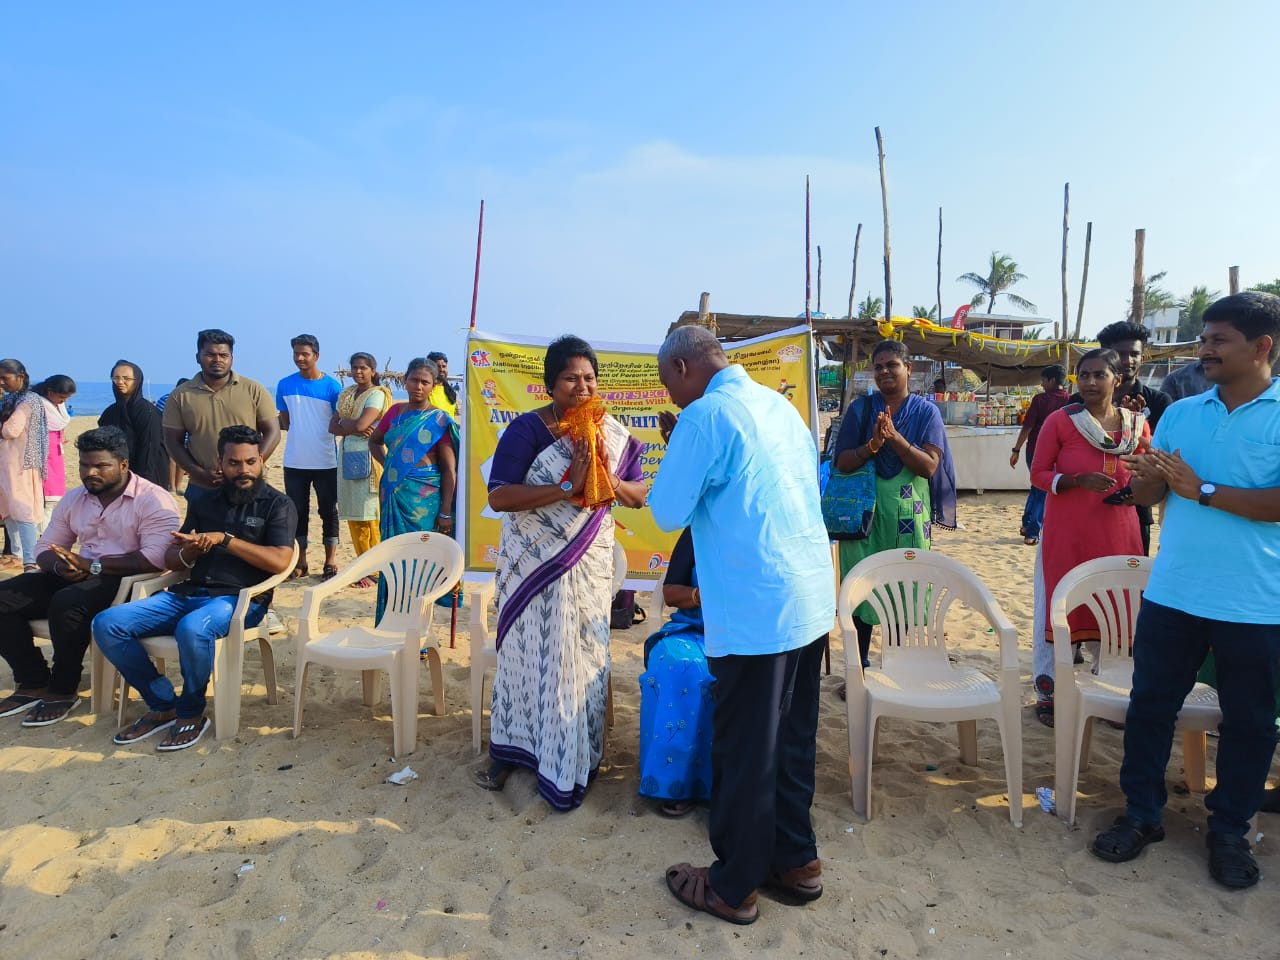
[(1055, 397)]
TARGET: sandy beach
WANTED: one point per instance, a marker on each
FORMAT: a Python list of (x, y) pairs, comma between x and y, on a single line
[(265, 846)]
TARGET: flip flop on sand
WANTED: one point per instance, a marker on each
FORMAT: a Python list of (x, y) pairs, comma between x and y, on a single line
[(145, 726), (17, 703), (50, 711), (184, 733), (689, 885)]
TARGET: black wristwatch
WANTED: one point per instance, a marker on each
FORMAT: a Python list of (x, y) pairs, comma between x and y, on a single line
[(1207, 490), (226, 539)]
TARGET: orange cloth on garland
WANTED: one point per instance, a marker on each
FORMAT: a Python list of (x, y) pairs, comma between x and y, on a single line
[(585, 422)]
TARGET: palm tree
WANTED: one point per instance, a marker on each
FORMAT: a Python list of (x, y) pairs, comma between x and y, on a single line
[(871, 308), (925, 313), (1154, 298), (1191, 312), (1002, 273)]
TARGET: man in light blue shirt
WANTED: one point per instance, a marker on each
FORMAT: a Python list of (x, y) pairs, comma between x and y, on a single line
[(741, 469), (1212, 586)]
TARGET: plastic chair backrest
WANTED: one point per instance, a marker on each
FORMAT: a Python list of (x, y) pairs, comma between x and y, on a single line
[(413, 566), (1111, 589), (911, 592)]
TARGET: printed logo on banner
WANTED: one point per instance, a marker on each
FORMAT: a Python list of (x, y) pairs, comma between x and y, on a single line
[(657, 562), (791, 353), (480, 358), (490, 553)]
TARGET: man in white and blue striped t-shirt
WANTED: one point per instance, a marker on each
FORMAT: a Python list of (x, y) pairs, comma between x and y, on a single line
[(307, 401)]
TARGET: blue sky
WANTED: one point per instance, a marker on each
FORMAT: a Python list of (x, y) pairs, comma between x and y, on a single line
[(275, 169)]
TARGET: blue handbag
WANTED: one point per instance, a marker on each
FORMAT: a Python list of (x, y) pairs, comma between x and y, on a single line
[(356, 464), (849, 499)]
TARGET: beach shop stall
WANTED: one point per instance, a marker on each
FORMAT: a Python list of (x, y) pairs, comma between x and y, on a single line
[(983, 424)]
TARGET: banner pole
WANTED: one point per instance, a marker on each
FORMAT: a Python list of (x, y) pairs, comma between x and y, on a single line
[(475, 286)]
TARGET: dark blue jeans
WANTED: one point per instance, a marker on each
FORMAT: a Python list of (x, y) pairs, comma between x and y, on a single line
[(1168, 648), (1033, 512)]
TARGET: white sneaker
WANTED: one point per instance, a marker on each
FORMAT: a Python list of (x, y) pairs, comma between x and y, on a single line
[(273, 624)]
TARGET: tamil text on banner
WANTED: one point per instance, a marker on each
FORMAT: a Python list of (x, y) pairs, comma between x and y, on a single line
[(504, 380)]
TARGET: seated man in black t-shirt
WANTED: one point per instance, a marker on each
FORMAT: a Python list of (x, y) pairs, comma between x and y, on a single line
[(233, 539)]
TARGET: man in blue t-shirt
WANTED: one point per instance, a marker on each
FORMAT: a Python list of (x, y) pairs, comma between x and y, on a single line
[(307, 401), (1217, 455)]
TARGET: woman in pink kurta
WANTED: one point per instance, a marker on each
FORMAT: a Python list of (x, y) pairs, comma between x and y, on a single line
[(23, 454), (1088, 513), (54, 393)]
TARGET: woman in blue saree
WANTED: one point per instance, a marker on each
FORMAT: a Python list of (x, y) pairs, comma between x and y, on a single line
[(417, 447), (675, 695), (554, 582)]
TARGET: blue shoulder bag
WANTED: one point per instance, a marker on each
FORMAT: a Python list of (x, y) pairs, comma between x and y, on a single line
[(849, 500)]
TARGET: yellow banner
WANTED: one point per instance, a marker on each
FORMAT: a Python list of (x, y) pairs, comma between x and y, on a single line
[(504, 380)]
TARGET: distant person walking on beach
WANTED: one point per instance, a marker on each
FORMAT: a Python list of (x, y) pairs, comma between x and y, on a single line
[(141, 421), (197, 411), (24, 459), (1054, 397), (742, 470), (1217, 457), (307, 401)]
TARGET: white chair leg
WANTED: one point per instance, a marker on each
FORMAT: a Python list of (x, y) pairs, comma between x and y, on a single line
[(1066, 707), (437, 681), (1086, 744), (299, 692), (967, 730), (269, 670), (859, 744), (1194, 746), (404, 715), (228, 668), (370, 685), (1010, 724)]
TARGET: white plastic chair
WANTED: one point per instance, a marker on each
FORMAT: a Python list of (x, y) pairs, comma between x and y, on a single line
[(484, 649), (1110, 588), (911, 592), (102, 675), (417, 568), (228, 653)]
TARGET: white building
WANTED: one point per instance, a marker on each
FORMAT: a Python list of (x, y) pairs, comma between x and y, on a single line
[(1163, 325)]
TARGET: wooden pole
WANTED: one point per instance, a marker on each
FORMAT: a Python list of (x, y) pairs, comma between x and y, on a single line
[(808, 317), (939, 291), (1084, 278), (475, 286), (704, 307), (853, 284), (1233, 280), (1139, 312), (884, 204), (1066, 206), (819, 278)]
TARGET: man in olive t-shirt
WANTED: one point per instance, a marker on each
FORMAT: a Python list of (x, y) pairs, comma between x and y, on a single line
[(198, 410)]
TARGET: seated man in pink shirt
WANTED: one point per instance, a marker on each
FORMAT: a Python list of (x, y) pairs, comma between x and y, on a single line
[(124, 524)]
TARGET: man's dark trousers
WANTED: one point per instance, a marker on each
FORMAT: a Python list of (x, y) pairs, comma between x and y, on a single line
[(69, 608), (763, 753)]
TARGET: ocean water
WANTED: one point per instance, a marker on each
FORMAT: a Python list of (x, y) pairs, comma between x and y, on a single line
[(91, 397)]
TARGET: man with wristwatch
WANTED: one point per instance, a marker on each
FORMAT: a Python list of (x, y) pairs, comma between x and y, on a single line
[(236, 537), (124, 524), (1212, 586)]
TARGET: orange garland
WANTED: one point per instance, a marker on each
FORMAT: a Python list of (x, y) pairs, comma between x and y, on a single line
[(585, 422)]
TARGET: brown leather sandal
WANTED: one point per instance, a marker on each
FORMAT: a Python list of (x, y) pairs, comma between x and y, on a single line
[(801, 884), (689, 885)]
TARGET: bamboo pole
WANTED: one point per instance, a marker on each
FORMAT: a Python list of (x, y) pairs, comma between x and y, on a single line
[(853, 284), (819, 278), (808, 317), (1084, 278), (884, 204), (1139, 312), (939, 291), (1233, 280), (475, 286), (1066, 207)]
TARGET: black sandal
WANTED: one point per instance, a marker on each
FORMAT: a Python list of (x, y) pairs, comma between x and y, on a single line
[(1125, 839), (1231, 861), (1044, 701), (676, 808), (494, 778)]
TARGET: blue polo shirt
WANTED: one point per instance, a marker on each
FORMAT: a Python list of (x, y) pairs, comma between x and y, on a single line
[(741, 470), (1212, 563)]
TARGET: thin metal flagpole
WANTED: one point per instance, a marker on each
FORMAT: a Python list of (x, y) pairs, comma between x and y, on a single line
[(808, 316)]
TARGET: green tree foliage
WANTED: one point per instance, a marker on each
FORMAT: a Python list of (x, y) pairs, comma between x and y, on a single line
[(1272, 287), (1191, 312), (871, 308), (1155, 298), (925, 313), (1002, 273)]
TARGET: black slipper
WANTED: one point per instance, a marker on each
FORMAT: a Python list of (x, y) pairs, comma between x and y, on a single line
[(495, 777), (1231, 861), (676, 808), (17, 703), (1124, 839), (50, 711)]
